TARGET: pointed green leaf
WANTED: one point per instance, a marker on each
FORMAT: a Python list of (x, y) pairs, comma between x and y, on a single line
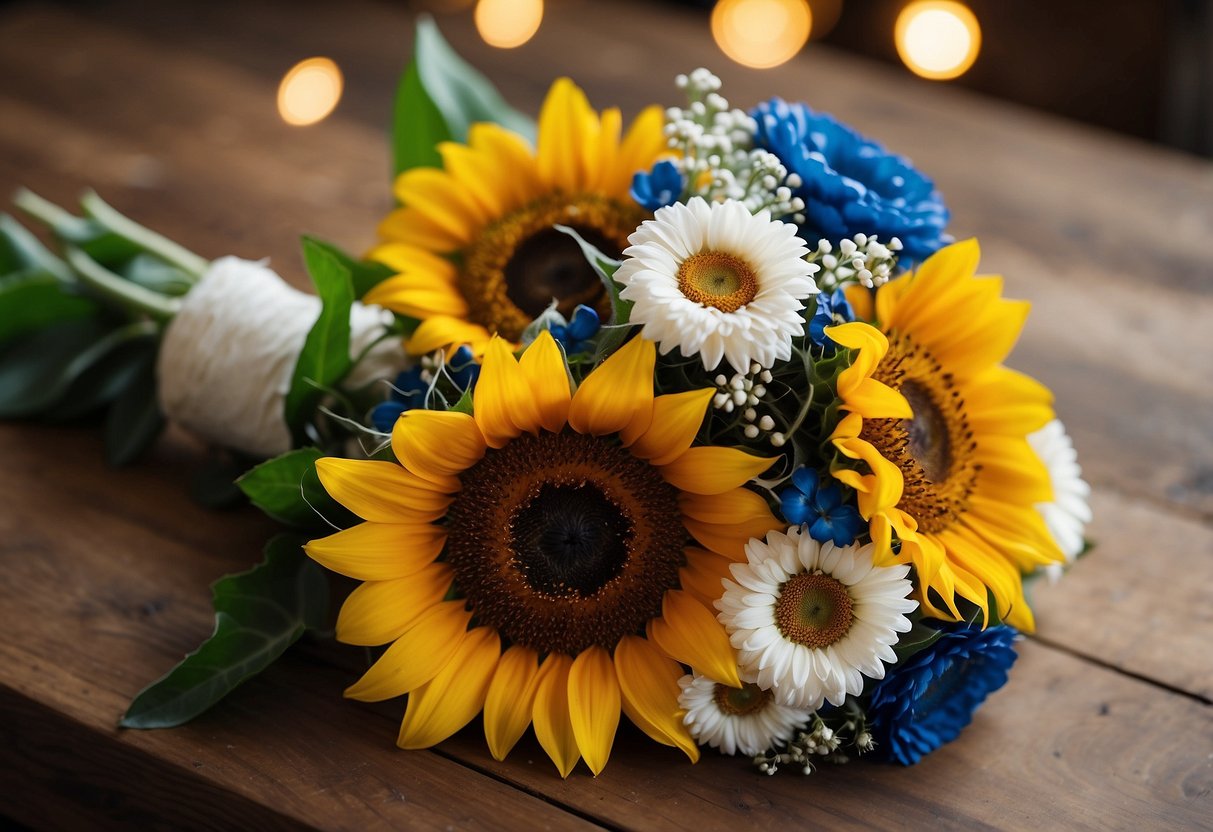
[(287, 489), (364, 274), (258, 615), (35, 299), (135, 420)]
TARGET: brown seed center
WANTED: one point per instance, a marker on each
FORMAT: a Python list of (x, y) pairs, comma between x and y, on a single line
[(814, 610), (714, 278), (741, 701)]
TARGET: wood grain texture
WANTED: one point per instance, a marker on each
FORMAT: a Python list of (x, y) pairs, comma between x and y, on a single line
[(106, 572)]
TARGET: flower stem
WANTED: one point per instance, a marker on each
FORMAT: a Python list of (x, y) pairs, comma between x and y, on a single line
[(130, 296), (164, 248)]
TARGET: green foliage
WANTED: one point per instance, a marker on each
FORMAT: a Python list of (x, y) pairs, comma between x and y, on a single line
[(258, 615), (325, 358), (364, 274), (134, 421), (615, 331), (439, 97), (33, 299), (288, 490)]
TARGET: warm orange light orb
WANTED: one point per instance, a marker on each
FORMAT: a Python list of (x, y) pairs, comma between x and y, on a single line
[(761, 33), (309, 91), (508, 23), (937, 39)]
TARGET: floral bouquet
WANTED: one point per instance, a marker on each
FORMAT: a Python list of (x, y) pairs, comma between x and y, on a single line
[(703, 423)]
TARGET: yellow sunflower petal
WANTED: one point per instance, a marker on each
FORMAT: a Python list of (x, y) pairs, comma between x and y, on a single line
[(418, 296), (726, 522), (511, 697), (452, 699), (648, 682), (414, 261), (382, 492), (417, 656), (594, 705), (502, 401), (553, 725), (603, 165), (676, 420), (704, 575), (862, 300), (475, 171), (567, 126), (619, 393), (1003, 401), (436, 445), (442, 331), (442, 199), (713, 470), (377, 612), (414, 228), (544, 369), (687, 632), (643, 144), (508, 151), (379, 551)]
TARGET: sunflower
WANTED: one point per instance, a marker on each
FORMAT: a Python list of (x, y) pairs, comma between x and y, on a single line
[(533, 559), (934, 439), (473, 244)]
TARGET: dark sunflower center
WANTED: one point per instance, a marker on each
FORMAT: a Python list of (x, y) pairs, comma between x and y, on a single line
[(562, 541), (935, 449), (570, 539), (549, 264), (814, 610), (520, 263), (717, 279), (740, 701)]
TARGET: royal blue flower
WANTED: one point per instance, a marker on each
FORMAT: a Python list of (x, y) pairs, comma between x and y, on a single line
[(832, 309), (850, 184), (576, 335), (658, 188), (828, 518), (926, 701), (463, 368), (411, 386)]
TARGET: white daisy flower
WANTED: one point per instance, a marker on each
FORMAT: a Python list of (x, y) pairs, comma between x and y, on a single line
[(719, 282), (745, 720), (810, 620), (1069, 513)]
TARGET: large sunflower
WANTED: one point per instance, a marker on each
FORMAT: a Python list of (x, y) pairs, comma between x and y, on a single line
[(473, 243), (937, 429), (532, 560)]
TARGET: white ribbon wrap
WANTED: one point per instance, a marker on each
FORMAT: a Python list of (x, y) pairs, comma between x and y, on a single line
[(226, 361)]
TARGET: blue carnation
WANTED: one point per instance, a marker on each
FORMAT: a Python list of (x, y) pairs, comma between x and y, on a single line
[(411, 386), (926, 701), (832, 309), (852, 185), (822, 509), (658, 188), (576, 334)]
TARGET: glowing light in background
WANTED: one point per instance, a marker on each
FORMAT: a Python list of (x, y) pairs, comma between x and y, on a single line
[(937, 39), (309, 91), (508, 23), (761, 33)]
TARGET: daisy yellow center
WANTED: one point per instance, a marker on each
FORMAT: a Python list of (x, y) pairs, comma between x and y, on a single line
[(934, 449), (746, 699), (563, 541), (717, 279), (518, 265), (814, 610)]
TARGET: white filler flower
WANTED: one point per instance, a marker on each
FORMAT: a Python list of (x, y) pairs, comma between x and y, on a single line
[(1069, 513), (718, 282), (809, 620), (227, 358), (744, 720)]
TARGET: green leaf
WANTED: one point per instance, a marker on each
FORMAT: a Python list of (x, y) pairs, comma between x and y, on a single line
[(107, 378), (364, 274), (32, 300), (19, 249), (258, 615), (135, 420), (214, 484), (151, 272), (288, 489), (325, 357), (440, 96), (614, 332)]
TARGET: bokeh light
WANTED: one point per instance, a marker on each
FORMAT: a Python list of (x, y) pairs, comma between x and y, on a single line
[(309, 91), (761, 33), (508, 23), (937, 39)]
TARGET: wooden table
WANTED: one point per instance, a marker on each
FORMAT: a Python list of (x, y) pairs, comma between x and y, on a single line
[(168, 109)]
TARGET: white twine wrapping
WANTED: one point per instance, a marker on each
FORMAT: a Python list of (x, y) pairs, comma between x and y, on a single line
[(226, 361)]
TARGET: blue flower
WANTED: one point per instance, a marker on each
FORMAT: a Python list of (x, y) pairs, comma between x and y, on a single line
[(832, 309), (462, 368), (659, 188), (805, 501), (412, 385), (926, 701), (576, 334), (849, 184)]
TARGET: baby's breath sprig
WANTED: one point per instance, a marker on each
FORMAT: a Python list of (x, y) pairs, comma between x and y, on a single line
[(863, 259)]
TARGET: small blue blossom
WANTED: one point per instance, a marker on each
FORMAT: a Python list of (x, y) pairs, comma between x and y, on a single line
[(828, 518), (927, 700), (850, 184), (659, 188), (463, 368), (832, 309), (408, 392), (575, 336)]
